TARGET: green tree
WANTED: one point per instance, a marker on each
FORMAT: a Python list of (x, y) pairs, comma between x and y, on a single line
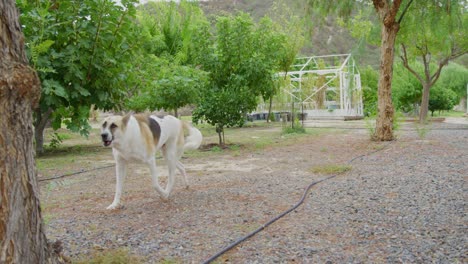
[(441, 99), (435, 32), (173, 87), (170, 81), (455, 77), (82, 51), (170, 28), (390, 15), (271, 47), (240, 71), (433, 29), (407, 89), (289, 29)]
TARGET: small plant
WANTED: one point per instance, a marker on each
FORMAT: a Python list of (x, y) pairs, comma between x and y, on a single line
[(331, 169), (422, 130), (370, 125), (378, 147), (296, 129), (216, 149), (272, 117), (234, 147), (114, 256), (56, 141)]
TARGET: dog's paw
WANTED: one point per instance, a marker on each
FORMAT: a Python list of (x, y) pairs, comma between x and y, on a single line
[(114, 206), (165, 197)]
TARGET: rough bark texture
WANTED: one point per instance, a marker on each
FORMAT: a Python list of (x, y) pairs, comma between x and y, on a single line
[(384, 122), (424, 102), (41, 122), (22, 236), (387, 15)]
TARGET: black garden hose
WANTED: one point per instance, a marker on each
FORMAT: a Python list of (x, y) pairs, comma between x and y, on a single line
[(276, 218), (75, 173)]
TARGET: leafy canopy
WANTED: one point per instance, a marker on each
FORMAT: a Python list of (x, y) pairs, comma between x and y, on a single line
[(242, 61), (168, 80), (81, 50)]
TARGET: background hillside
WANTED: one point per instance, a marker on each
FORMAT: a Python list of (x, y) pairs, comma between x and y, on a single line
[(324, 36)]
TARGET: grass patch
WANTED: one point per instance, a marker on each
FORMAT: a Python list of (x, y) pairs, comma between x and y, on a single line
[(331, 169), (378, 147), (422, 130), (294, 130), (450, 113), (112, 256), (216, 149)]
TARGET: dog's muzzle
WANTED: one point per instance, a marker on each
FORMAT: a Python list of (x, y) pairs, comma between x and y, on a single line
[(106, 139)]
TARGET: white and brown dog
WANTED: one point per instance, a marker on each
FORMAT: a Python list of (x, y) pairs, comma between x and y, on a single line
[(137, 137)]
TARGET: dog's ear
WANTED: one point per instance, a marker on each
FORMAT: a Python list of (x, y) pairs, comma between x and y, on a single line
[(125, 120)]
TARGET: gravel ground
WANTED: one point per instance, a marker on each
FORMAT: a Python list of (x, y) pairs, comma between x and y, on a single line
[(402, 202)]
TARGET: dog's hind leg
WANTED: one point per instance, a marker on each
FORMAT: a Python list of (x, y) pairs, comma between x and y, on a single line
[(181, 169), (172, 166), (155, 178), (170, 155), (120, 173)]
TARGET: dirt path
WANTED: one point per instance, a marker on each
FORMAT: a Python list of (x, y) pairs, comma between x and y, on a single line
[(387, 208)]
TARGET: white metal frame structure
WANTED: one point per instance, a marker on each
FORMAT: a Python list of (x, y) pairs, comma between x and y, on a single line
[(339, 66)]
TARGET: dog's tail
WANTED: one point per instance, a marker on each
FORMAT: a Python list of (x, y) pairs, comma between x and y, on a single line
[(194, 138)]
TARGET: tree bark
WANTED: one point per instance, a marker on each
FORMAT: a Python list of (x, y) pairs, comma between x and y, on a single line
[(424, 102), (22, 235), (384, 122), (387, 12), (220, 131), (41, 122), (270, 106)]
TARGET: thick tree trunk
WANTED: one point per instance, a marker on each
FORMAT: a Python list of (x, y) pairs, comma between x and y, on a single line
[(384, 122), (424, 103), (22, 236)]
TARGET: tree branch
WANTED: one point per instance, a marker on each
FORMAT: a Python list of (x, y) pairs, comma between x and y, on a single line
[(95, 43), (391, 14), (426, 63), (455, 54), (118, 27), (404, 58), (404, 11), (394, 9), (380, 6), (42, 118), (436, 75)]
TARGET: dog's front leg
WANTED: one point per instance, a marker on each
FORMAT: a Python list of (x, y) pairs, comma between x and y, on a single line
[(155, 179), (120, 173)]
